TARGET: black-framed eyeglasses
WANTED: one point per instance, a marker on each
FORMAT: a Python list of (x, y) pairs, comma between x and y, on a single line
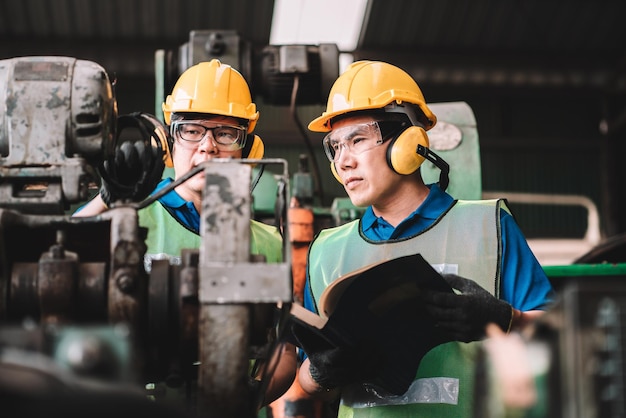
[(226, 137)]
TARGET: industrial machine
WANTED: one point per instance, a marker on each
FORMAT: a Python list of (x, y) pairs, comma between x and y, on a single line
[(570, 363), (80, 316)]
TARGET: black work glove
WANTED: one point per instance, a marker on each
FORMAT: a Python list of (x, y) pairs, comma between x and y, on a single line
[(136, 167), (463, 317), (333, 367), (129, 174)]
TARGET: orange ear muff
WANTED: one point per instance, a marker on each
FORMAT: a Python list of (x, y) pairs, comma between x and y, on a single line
[(333, 169), (402, 154), (163, 135), (254, 148), (157, 131)]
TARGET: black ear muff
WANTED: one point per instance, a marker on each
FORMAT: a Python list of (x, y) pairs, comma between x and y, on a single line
[(402, 154), (333, 169), (254, 148)]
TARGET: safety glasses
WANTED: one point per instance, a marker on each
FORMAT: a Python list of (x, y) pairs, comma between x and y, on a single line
[(225, 137), (359, 138)]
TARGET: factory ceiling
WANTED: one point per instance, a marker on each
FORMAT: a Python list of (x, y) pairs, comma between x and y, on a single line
[(537, 43)]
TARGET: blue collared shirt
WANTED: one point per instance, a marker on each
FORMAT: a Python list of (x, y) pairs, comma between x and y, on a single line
[(185, 212), (436, 203)]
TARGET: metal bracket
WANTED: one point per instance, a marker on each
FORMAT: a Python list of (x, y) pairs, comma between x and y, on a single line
[(245, 283)]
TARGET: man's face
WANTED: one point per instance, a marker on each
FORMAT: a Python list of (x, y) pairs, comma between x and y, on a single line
[(199, 140), (360, 160)]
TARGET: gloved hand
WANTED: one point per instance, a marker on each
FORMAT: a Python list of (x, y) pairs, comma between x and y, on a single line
[(141, 148), (339, 366), (120, 172), (463, 317), (129, 175)]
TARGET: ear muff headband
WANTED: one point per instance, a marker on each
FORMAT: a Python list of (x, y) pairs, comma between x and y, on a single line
[(333, 169), (254, 148), (162, 134), (152, 131), (402, 154)]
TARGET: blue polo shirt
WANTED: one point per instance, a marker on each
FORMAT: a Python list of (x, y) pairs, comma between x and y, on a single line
[(183, 211), (524, 283)]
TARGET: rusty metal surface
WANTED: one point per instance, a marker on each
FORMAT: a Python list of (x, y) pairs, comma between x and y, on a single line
[(91, 292), (224, 341), (33, 257), (23, 290), (70, 103), (68, 100), (56, 285), (223, 329), (226, 213), (163, 324), (127, 282), (89, 301), (227, 274), (244, 283), (123, 292)]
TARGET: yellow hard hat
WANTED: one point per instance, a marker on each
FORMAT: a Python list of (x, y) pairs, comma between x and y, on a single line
[(212, 87), (372, 85)]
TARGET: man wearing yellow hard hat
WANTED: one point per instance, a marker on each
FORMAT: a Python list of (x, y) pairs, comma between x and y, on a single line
[(375, 124), (210, 114)]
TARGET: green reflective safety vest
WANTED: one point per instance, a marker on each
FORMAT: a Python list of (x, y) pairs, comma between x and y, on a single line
[(464, 241), (167, 237)]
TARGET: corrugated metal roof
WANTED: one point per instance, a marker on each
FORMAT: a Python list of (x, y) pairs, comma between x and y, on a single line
[(530, 26), (122, 35), (529, 34), (142, 20), (493, 42)]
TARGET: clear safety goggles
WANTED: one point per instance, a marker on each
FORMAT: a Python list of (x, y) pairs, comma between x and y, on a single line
[(193, 132), (359, 138)]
